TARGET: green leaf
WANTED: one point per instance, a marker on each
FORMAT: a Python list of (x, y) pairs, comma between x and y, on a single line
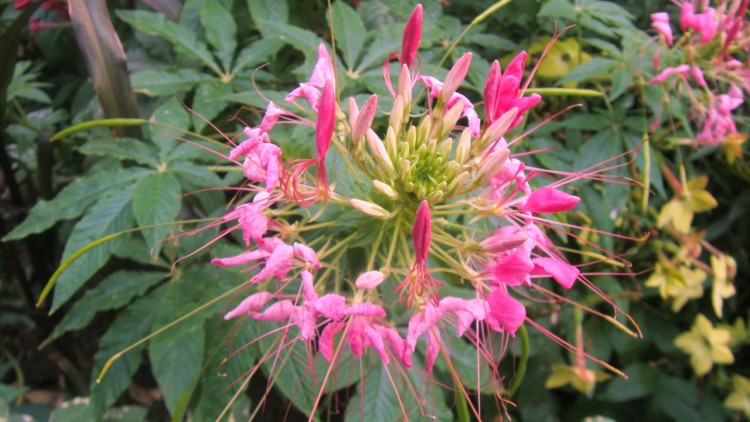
[(122, 149), (171, 113), (350, 32), (72, 201), (589, 69), (640, 383), (621, 80), (181, 37), (115, 291), (205, 103), (9, 40), (220, 30), (291, 372), (558, 9), (156, 200), (111, 214), (199, 176), (167, 81), (301, 39), (258, 52), (131, 325), (72, 411), (177, 354), (268, 10)]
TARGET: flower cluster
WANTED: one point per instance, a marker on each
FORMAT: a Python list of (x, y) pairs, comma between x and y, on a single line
[(474, 211), (711, 56)]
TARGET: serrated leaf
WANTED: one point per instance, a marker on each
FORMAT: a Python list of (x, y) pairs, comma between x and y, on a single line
[(115, 291), (177, 354), (123, 149), (181, 37), (170, 113), (301, 39), (220, 30), (621, 80), (131, 325), (258, 52), (167, 81), (292, 374), (109, 215), (268, 10), (72, 201), (197, 175), (593, 67), (156, 200), (350, 32), (557, 9), (205, 103)]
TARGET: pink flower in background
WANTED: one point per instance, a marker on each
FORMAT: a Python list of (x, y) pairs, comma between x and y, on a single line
[(660, 22)]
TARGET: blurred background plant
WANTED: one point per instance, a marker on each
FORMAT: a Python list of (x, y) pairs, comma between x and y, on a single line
[(173, 66)]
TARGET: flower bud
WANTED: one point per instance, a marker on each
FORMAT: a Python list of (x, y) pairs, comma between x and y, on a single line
[(491, 165), (378, 151), (404, 84), (370, 209), (365, 118), (369, 280), (397, 112), (455, 77), (384, 189), (464, 146)]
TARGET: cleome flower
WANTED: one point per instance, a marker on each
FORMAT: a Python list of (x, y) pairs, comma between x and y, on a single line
[(412, 222)]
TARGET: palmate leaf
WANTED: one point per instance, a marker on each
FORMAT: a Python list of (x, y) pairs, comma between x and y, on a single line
[(111, 214), (205, 103), (156, 201), (350, 32), (220, 29), (301, 39), (171, 113), (181, 37), (123, 149), (73, 200), (269, 10), (167, 81), (131, 325), (258, 52)]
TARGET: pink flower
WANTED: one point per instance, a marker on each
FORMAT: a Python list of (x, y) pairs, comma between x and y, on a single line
[(705, 23), (252, 303), (719, 120), (660, 22), (369, 280), (322, 72), (412, 35), (502, 92)]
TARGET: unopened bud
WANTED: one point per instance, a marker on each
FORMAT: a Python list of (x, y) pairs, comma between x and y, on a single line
[(369, 280), (458, 183), (499, 244), (492, 165), (445, 147), (384, 189), (436, 196), (498, 128), (378, 151), (397, 112), (449, 119), (455, 77), (404, 84), (365, 118), (464, 146), (370, 209)]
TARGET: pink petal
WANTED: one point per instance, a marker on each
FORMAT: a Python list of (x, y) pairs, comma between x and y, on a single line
[(562, 272), (366, 310), (508, 312), (369, 280), (550, 200), (308, 291), (325, 342), (376, 341), (326, 121), (251, 303), (279, 311), (455, 76), (240, 259), (331, 306), (278, 264), (432, 351), (514, 268), (306, 254)]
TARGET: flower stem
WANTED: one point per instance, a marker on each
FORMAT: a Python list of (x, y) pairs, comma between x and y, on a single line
[(523, 336)]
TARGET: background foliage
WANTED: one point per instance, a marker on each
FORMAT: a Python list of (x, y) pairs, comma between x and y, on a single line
[(201, 61)]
